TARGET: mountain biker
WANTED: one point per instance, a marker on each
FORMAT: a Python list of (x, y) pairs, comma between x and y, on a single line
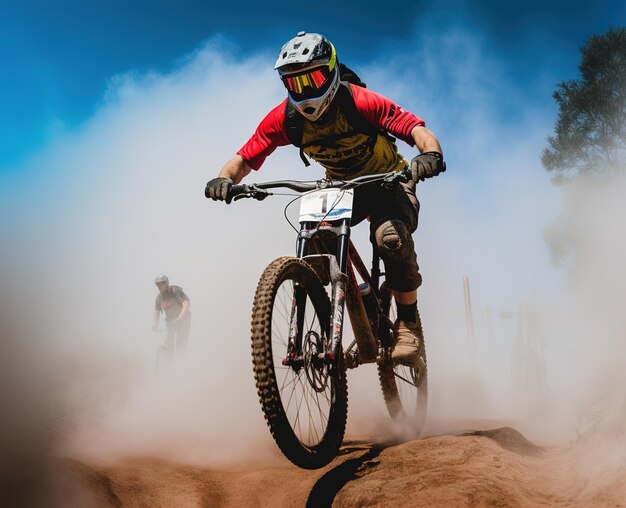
[(348, 129), (174, 303)]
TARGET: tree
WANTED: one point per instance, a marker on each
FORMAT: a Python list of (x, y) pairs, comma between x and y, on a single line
[(590, 132)]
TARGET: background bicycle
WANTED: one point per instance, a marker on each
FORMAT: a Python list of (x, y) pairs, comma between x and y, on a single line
[(167, 350)]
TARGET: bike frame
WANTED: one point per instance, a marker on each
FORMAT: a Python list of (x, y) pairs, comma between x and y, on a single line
[(337, 269), (341, 269)]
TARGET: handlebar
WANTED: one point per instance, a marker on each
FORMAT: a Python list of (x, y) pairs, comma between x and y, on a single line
[(259, 191)]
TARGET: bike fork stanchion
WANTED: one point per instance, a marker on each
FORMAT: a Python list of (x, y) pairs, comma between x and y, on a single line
[(339, 284), (338, 303), (295, 349), (300, 303)]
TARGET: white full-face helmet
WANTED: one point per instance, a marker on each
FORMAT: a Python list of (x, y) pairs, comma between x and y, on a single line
[(308, 67)]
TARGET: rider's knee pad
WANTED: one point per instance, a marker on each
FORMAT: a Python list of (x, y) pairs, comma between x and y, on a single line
[(394, 240)]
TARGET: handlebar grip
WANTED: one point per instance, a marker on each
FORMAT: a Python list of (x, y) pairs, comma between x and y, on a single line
[(236, 190)]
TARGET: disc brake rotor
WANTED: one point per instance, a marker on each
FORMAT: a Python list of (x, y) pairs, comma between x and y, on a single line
[(315, 368)]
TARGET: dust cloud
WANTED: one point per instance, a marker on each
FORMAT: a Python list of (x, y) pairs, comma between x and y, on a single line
[(588, 238), (94, 217), (544, 347), (91, 221)]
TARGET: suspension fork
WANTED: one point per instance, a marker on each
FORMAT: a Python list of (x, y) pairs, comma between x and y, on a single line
[(339, 274), (339, 281), (298, 302)]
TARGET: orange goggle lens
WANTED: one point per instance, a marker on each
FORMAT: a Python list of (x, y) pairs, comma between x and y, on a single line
[(314, 79)]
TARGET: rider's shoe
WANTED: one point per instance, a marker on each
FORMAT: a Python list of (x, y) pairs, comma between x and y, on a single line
[(408, 343)]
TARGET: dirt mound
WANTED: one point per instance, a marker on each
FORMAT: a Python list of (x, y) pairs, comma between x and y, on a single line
[(509, 439), (497, 467)]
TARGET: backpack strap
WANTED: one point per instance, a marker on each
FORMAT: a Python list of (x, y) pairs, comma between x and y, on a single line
[(355, 119), (347, 74), (294, 125), (178, 293)]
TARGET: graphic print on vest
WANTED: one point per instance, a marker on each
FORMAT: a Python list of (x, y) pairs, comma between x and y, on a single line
[(342, 150), (347, 152)]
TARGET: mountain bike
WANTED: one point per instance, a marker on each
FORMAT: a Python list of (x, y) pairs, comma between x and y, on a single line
[(166, 353), (297, 325)]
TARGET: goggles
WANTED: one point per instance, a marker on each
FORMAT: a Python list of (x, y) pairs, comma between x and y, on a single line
[(314, 79)]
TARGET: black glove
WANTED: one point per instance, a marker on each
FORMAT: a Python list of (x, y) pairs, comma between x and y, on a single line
[(218, 189), (427, 165)]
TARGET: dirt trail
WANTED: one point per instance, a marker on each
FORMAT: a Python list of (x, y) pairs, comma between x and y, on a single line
[(497, 467)]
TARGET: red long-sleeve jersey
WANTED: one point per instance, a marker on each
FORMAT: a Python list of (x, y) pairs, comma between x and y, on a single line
[(378, 110)]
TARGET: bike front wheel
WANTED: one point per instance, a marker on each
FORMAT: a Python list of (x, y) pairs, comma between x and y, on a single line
[(163, 357), (304, 400), (405, 389)]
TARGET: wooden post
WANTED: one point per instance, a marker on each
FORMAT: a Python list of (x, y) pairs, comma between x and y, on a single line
[(468, 313)]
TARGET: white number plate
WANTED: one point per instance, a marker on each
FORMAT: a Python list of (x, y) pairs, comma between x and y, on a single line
[(326, 204)]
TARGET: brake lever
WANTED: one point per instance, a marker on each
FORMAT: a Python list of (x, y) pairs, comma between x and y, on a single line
[(392, 180), (253, 192)]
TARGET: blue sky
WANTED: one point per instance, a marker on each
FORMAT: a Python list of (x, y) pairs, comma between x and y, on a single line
[(58, 57)]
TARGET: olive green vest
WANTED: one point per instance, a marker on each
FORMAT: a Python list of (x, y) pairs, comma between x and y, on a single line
[(346, 145)]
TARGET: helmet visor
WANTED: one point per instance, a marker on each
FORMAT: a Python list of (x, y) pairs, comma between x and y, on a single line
[(314, 79), (309, 83)]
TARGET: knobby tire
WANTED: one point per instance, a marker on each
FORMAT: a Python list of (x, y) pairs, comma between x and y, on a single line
[(405, 389), (318, 448)]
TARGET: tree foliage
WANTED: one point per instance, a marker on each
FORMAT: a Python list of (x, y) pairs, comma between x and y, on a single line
[(590, 132)]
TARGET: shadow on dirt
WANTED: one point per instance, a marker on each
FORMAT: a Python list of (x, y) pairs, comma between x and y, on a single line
[(332, 482), (328, 486)]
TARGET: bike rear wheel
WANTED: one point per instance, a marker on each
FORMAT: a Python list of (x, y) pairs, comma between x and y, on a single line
[(305, 403), (405, 389)]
